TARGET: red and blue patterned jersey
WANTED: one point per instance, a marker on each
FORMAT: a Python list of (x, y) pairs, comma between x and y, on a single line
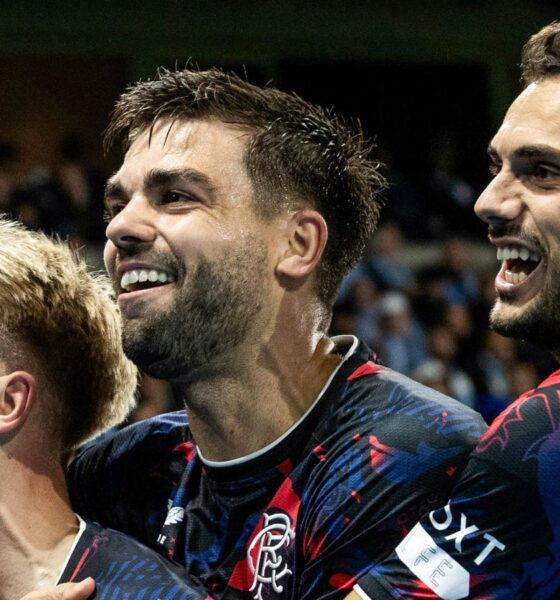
[(499, 536), (124, 569), (302, 518)]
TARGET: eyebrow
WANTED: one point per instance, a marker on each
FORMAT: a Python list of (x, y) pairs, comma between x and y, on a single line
[(530, 151), (156, 178)]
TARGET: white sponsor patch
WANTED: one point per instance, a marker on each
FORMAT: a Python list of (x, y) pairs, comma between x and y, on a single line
[(433, 566)]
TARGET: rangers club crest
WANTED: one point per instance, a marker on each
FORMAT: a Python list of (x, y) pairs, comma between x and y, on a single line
[(266, 560)]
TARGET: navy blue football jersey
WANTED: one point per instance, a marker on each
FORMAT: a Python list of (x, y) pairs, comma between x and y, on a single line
[(124, 569), (302, 518), (499, 536)]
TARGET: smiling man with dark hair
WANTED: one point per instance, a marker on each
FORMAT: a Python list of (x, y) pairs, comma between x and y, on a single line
[(499, 535)]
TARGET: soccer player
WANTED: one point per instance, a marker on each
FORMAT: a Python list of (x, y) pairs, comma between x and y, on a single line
[(63, 379), (499, 535), (300, 460)]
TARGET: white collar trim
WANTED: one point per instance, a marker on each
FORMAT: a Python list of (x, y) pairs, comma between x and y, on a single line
[(81, 530)]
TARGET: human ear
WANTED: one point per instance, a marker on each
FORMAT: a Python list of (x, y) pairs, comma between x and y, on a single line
[(307, 238), (17, 394)]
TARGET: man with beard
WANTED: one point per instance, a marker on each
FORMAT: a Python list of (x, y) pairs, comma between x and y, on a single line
[(499, 535), (234, 217)]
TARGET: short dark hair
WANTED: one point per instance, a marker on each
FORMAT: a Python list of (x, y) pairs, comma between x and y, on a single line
[(299, 154), (541, 55)]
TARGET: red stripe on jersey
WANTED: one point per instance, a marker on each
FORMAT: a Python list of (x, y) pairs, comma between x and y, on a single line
[(369, 368), (187, 449), (342, 581), (80, 565)]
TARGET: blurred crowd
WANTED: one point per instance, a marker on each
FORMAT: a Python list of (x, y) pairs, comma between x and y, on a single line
[(66, 201), (427, 319)]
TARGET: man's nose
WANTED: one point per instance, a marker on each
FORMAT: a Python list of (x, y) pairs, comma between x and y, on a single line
[(501, 201), (134, 224)]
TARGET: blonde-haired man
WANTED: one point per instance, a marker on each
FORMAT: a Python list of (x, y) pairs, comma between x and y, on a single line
[(63, 379)]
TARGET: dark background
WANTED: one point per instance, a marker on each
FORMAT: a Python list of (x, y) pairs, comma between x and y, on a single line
[(412, 72)]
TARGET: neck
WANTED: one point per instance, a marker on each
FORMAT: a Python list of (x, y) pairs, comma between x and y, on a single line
[(37, 527), (235, 414)]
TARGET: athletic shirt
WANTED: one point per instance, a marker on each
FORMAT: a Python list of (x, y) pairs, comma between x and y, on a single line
[(123, 569), (499, 536), (302, 518)]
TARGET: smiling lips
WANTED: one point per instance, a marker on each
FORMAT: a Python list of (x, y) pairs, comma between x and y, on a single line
[(140, 279), (518, 263)]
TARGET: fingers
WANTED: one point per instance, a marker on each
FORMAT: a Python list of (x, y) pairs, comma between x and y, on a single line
[(66, 591)]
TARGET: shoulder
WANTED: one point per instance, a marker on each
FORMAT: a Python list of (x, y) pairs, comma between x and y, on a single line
[(160, 433), (527, 429), (393, 399)]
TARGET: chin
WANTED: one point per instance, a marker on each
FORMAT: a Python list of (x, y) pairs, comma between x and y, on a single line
[(536, 322)]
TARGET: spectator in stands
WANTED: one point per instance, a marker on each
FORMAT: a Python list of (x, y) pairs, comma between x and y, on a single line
[(401, 344), (443, 345)]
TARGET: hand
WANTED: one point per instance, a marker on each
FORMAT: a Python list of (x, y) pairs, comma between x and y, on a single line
[(65, 591)]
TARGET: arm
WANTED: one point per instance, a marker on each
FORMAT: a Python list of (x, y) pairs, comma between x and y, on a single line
[(499, 535), (123, 482)]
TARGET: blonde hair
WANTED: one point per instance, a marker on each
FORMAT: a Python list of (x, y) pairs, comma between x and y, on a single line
[(51, 306)]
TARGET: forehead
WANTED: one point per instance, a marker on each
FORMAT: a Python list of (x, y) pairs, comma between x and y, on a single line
[(211, 147), (533, 118)]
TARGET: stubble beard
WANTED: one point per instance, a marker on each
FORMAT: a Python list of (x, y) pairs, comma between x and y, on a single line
[(211, 316), (538, 323)]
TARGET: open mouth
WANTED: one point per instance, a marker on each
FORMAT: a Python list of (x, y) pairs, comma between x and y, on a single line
[(518, 263), (145, 279)]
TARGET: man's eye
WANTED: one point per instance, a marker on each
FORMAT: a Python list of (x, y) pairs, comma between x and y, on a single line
[(174, 196), (544, 172)]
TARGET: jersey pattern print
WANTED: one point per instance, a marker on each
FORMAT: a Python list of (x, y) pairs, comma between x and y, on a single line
[(123, 569), (304, 517)]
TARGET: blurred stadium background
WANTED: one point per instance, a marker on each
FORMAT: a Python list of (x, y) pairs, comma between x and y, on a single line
[(430, 81)]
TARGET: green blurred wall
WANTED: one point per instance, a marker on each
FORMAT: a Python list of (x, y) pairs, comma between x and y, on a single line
[(145, 34)]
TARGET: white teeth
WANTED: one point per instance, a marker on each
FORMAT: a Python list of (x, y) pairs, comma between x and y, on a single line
[(516, 252), (515, 278), (133, 277), (143, 275)]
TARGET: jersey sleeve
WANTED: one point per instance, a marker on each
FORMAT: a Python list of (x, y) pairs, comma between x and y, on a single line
[(370, 487), (499, 535), (124, 481)]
